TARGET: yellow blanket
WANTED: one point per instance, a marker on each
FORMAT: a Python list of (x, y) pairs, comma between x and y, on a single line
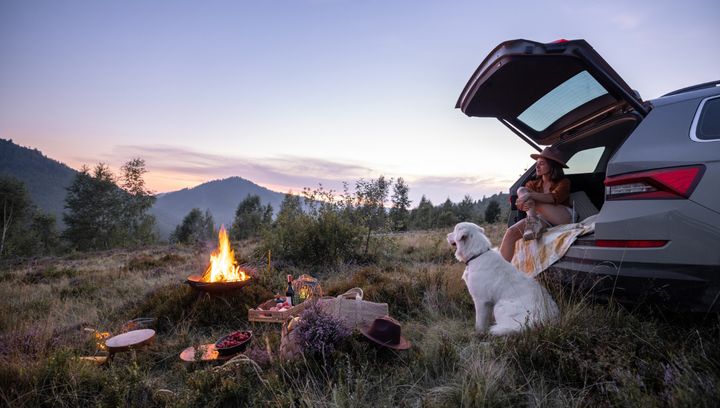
[(533, 257)]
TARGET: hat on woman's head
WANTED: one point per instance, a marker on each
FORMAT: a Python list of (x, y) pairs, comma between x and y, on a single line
[(385, 331), (550, 153)]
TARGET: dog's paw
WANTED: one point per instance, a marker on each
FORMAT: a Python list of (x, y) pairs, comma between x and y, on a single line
[(497, 330)]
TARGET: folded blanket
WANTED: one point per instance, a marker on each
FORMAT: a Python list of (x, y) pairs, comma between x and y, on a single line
[(533, 257)]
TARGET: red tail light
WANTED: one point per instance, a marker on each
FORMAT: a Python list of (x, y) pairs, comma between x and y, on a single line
[(669, 183), (636, 243)]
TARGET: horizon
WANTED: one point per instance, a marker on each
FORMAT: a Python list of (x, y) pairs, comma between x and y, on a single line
[(294, 192), (291, 94)]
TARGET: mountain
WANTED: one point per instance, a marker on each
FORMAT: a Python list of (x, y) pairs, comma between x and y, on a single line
[(46, 180), (221, 197)]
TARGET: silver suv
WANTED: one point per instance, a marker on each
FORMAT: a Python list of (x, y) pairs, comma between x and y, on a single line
[(650, 168)]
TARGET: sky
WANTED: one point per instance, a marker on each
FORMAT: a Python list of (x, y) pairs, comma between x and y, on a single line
[(293, 93)]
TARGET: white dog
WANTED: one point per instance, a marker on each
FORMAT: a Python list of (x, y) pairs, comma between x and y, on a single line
[(516, 300)]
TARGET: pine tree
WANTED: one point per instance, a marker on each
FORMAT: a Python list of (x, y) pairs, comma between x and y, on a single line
[(14, 205), (195, 228), (465, 209), (422, 217), (251, 217), (492, 212), (95, 209)]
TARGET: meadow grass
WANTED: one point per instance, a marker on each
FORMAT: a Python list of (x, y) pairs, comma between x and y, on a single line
[(594, 355)]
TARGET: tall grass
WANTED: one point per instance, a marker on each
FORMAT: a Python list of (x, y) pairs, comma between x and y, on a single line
[(594, 355)]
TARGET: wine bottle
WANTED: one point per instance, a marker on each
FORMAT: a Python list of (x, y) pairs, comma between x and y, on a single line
[(290, 292)]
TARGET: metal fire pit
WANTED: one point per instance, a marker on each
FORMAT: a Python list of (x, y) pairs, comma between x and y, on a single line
[(196, 283)]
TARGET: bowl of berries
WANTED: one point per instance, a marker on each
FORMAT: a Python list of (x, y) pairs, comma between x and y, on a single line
[(233, 343)]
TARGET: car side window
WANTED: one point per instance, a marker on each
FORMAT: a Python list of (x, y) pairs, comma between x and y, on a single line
[(585, 161), (706, 125)]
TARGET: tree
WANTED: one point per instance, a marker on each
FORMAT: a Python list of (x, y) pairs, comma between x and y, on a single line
[(15, 205), (102, 215), (46, 239), (26, 231), (399, 213), (446, 214), (139, 225), (492, 212), (95, 209), (251, 217), (422, 216), (465, 209), (370, 199), (195, 228)]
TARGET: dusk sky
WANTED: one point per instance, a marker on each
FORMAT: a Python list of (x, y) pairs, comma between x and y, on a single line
[(290, 94)]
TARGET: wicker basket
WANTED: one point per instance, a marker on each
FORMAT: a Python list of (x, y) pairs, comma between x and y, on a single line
[(275, 316)]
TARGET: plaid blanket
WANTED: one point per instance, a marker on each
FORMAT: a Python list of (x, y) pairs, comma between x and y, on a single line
[(533, 257)]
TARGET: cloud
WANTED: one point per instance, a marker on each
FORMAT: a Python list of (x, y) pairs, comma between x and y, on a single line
[(278, 171), (187, 167)]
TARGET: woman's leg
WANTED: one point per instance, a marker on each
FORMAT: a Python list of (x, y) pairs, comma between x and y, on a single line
[(513, 233), (555, 214)]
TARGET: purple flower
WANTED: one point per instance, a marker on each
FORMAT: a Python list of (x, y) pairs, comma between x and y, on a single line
[(319, 331)]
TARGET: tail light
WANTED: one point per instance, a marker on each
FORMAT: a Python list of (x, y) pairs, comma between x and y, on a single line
[(634, 243), (668, 183)]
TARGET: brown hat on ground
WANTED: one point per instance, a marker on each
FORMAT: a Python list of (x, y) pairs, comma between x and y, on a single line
[(385, 331), (550, 153)]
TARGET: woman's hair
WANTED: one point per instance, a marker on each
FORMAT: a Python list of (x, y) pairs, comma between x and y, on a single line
[(556, 170)]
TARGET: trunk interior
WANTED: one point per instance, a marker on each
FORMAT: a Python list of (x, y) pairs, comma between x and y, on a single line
[(608, 134)]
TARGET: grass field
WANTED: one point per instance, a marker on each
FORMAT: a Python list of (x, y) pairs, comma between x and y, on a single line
[(595, 355)]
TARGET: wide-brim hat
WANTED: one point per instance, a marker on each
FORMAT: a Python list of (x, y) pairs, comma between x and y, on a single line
[(385, 331), (550, 153)]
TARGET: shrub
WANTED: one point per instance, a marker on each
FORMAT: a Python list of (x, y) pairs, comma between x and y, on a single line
[(319, 332), (324, 235)]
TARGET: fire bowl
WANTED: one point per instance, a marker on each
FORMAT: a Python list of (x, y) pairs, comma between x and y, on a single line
[(195, 282)]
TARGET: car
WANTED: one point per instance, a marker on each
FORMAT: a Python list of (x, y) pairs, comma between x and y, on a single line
[(651, 168)]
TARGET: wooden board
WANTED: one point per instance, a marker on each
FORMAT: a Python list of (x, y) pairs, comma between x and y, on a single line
[(130, 340), (209, 353)]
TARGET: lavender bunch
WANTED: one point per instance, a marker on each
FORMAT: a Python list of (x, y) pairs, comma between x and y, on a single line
[(320, 332)]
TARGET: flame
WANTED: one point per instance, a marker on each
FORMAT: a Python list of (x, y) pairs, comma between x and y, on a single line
[(223, 266)]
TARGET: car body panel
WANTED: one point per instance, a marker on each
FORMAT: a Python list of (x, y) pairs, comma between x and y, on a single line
[(691, 230), (662, 140)]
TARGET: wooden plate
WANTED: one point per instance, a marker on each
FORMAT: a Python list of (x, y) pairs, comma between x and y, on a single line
[(130, 340), (209, 353)]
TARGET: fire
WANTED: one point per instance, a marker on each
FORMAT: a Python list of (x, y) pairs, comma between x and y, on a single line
[(223, 266)]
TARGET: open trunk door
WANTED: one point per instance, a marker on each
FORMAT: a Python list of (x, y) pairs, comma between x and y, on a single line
[(544, 91)]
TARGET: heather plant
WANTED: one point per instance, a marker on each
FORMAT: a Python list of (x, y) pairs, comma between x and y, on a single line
[(319, 332)]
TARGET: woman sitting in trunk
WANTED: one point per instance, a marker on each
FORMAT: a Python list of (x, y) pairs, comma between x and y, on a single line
[(545, 199)]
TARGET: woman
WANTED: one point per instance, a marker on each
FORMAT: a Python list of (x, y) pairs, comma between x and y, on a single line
[(545, 199)]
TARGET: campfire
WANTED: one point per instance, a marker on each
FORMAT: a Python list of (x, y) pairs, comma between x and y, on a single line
[(223, 273)]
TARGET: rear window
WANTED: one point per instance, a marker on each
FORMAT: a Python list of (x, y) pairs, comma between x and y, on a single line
[(707, 123), (574, 92), (585, 161)]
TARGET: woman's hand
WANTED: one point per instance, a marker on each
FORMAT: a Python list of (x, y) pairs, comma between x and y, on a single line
[(521, 202)]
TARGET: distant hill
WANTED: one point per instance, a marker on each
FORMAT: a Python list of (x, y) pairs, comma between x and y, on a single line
[(45, 179), (221, 197)]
